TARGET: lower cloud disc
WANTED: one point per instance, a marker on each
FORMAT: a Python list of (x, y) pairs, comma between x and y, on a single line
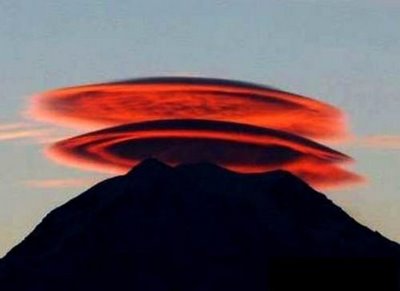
[(238, 147)]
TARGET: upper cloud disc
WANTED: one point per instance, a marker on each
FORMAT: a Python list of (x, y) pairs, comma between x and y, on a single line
[(138, 100)]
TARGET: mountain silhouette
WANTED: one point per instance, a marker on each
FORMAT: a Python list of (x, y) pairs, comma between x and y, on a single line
[(200, 227)]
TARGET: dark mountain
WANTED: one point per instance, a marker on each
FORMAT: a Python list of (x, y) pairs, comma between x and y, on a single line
[(200, 227)]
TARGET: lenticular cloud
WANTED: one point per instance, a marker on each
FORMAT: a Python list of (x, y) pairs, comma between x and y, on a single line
[(111, 104), (241, 126)]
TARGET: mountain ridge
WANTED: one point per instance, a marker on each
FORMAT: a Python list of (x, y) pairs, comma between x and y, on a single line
[(198, 227)]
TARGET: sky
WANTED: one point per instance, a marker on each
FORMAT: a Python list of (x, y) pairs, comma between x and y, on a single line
[(344, 53)]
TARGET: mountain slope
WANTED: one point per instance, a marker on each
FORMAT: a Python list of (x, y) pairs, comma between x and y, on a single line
[(200, 227)]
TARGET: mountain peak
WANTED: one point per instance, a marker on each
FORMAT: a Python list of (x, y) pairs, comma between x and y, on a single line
[(149, 165)]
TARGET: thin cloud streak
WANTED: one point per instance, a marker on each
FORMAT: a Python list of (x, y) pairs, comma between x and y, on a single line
[(39, 134), (6, 135), (11, 126), (384, 142), (58, 183)]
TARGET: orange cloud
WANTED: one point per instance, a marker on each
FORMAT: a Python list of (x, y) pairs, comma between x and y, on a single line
[(111, 104), (58, 183), (242, 126), (238, 147)]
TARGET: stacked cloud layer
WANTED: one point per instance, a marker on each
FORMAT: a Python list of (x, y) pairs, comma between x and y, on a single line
[(241, 126)]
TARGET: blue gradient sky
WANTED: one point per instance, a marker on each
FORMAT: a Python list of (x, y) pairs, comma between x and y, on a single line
[(342, 52)]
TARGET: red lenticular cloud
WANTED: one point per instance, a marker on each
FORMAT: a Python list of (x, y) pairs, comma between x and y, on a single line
[(241, 126), (111, 104), (239, 147)]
